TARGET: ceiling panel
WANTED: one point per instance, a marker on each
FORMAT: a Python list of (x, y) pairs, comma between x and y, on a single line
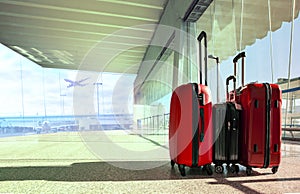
[(60, 34)]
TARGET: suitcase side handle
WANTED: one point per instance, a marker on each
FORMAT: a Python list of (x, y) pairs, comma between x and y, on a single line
[(202, 36), (228, 96), (239, 56), (202, 124)]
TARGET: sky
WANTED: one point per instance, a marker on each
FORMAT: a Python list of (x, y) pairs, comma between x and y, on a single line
[(45, 91)]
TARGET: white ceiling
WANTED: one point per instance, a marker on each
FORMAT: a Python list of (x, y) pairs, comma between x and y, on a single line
[(59, 33)]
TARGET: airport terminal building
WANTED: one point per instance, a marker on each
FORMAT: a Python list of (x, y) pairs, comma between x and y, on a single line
[(102, 72)]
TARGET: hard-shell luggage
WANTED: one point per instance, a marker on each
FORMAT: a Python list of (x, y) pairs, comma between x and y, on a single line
[(226, 121), (190, 127), (260, 123)]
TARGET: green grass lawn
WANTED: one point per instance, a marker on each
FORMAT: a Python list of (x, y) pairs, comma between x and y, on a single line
[(43, 149), (66, 148)]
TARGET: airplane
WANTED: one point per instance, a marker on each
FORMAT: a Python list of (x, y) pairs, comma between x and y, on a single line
[(76, 83)]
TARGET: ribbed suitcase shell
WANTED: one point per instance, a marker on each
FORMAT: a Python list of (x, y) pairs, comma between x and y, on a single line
[(226, 136), (260, 144)]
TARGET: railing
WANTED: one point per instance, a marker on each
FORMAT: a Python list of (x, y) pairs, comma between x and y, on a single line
[(159, 125), (294, 133), (155, 128), (154, 125)]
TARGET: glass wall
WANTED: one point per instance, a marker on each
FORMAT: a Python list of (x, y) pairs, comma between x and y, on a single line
[(151, 111), (260, 28), (267, 32)]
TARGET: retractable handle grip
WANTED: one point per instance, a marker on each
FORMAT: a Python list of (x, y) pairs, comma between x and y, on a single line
[(239, 56), (233, 78), (202, 36)]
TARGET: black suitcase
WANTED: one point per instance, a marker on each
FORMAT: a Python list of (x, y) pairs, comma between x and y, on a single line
[(226, 117)]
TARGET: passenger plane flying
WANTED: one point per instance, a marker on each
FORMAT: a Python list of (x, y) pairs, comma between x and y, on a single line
[(75, 83)]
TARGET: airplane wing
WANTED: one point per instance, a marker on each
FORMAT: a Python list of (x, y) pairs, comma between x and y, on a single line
[(67, 80), (75, 83), (82, 80)]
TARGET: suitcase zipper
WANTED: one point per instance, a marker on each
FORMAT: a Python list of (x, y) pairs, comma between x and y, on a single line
[(268, 116), (198, 136), (195, 140), (228, 126)]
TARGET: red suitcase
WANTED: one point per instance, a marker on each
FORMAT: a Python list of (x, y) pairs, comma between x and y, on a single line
[(261, 123), (190, 127)]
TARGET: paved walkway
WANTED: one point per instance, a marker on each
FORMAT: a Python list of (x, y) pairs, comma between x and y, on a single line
[(70, 163)]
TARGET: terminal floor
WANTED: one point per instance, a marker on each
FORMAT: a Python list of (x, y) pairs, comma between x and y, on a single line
[(90, 163)]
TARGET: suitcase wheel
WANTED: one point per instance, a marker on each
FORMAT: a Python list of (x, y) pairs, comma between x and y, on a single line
[(274, 169), (219, 169), (208, 169), (172, 163), (181, 169), (236, 168), (248, 170)]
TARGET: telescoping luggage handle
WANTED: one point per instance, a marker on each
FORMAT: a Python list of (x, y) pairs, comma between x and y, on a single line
[(201, 36), (218, 70), (228, 96), (242, 56)]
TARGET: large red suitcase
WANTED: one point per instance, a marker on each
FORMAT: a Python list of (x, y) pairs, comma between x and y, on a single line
[(190, 127), (261, 123)]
